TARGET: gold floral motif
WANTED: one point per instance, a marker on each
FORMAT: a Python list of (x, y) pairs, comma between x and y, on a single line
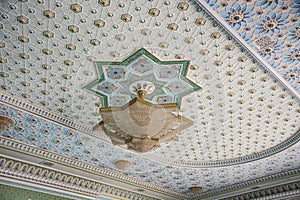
[(71, 46), (154, 12), (76, 8), (200, 22), (66, 76), (48, 34), (46, 80), (230, 47), (68, 62), (73, 28), (95, 42), (46, 66), (22, 19), (99, 23), (218, 63), (215, 35), (183, 6), (204, 51), (104, 3), (26, 84), (126, 17), (24, 55), (242, 59), (49, 14), (23, 38), (47, 51), (172, 27)]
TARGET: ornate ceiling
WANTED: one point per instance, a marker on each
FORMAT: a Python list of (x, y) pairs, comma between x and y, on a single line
[(232, 68)]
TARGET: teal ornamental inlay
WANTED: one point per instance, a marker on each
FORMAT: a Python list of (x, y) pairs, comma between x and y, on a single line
[(115, 78)]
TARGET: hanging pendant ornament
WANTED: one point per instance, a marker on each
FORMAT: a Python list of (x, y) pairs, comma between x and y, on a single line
[(141, 125)]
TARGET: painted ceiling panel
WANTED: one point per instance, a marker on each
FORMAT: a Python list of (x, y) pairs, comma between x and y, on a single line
[(272, 28), (62, 61)]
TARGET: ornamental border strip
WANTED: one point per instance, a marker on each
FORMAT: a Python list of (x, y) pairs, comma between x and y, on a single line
[(271, 192), (235, 187), (29, 172), (30, 150), (48, 115), (294, 193)]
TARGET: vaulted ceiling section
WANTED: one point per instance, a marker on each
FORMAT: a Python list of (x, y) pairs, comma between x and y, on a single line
[(230, 67)]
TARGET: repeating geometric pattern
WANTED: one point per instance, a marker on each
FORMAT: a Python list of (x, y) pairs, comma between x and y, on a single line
[(47, 55), (272, 28)]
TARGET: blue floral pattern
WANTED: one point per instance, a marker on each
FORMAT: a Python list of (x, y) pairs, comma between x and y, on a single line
[(292, 75), (238, 16), (271, 23), (257, 21), (292, 56), (272, 50)]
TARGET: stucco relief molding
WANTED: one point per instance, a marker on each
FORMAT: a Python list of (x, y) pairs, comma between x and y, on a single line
[(35, 174), (17, 146)]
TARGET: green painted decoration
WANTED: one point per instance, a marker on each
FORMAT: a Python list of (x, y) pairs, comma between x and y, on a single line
[(116, 80)]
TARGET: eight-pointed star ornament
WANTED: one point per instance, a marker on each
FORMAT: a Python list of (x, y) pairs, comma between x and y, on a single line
[(116, 80)]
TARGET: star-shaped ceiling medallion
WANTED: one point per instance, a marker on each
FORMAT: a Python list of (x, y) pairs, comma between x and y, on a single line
[(117, 81)]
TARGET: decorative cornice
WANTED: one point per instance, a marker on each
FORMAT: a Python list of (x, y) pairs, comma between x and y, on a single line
[(289, 194), (285, 190), (252, 183), (30, 150), (9, 144), (35, 174)]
